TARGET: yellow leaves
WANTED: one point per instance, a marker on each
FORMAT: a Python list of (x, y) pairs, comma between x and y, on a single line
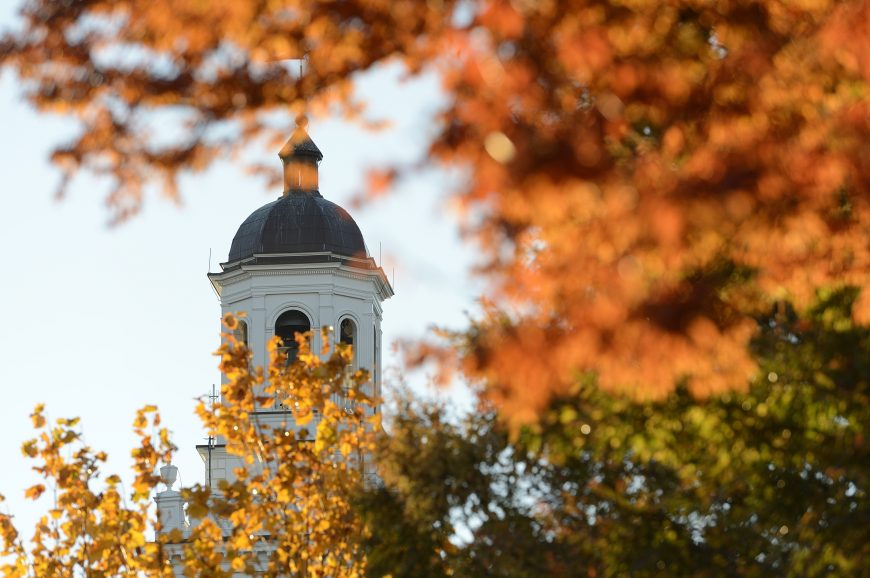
[(154, 447), (29, 448), (230, 321), (135, 539), (375, 421), (346, 448), (291, 487), (163, 435), (284, 496), (307, 357), (68, 422), (197, 503), (81, 512), (323, 526), (142, 487), (33, 492), (241, 541), (303, 418), (272, 345), (326, 436), (36, 417), (141, 419)]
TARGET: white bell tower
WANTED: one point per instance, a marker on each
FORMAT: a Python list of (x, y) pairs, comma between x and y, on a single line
[(297, 264)]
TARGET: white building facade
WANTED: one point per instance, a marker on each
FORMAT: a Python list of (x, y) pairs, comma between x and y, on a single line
[(296, 264)]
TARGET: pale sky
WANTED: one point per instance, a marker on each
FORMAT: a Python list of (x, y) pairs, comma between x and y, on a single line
[(100, 321)]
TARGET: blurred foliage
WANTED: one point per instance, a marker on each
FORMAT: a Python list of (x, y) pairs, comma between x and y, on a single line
[(671, 201), (616, 153), (771, 481)]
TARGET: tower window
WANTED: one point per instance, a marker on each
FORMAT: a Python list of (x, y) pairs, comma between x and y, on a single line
[(241, 332), (288, 325), (347, 334)]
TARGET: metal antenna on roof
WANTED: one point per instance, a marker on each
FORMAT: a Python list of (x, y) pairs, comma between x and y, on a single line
[(394, 278), (211, 439), (209, 259)]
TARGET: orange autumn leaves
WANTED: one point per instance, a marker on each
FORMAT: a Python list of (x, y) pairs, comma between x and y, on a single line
[(707, 164), (643, 178)]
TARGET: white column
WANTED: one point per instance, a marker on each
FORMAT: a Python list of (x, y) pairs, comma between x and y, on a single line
[(326, 314), (170, 506), (257, 330)]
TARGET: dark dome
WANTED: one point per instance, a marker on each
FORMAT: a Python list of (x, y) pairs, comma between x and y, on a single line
[(298, 223)]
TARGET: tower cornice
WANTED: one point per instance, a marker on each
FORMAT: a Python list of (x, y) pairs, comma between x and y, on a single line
[(339, 267)]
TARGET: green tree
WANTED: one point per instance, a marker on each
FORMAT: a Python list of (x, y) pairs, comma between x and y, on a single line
[(770, 481)]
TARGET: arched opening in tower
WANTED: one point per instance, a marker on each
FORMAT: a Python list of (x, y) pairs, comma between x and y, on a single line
[(288, 325), (241, 332), (347, 335)]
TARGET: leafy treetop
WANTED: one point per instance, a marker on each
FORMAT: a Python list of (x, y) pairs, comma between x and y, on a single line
[(643, 177)]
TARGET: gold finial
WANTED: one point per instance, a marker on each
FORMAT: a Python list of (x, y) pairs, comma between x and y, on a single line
[(300, 157)]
